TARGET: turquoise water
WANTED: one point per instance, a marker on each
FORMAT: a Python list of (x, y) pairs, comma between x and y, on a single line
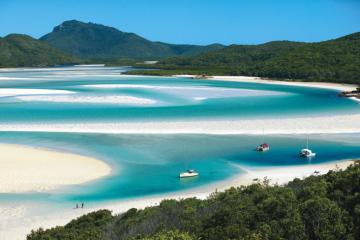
[(149, 164), (171, 103)]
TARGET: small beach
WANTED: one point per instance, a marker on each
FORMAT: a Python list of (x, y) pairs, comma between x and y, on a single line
[(28, 169)]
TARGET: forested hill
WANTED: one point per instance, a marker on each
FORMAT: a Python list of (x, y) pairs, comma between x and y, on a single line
[(17, 50), (335, 60), (318, 207), (90, 40)]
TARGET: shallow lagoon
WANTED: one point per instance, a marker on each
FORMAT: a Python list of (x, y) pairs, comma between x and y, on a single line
[(150, 164)]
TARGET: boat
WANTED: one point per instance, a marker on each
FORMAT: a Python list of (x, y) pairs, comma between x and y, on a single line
[(306, 152), (263, 147), (189, 173)]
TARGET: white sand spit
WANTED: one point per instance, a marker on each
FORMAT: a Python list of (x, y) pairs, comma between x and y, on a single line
[(113, 99), (26, 169), (300, 125), (6, 92)]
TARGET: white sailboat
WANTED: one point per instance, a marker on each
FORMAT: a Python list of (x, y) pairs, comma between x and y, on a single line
[(306, 152)]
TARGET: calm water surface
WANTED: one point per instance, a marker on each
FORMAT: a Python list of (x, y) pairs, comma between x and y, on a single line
[(149, 164)]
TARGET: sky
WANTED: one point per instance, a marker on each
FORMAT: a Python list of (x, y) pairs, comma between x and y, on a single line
[(191, 21)]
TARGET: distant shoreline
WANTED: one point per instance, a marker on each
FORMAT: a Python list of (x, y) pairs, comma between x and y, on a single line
[(290, 82), (250, 79), (326, 85)]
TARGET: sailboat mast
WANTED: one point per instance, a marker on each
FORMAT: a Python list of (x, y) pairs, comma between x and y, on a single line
[(307, 142)]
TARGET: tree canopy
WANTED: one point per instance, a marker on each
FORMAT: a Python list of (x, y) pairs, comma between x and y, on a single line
[(335, 60)]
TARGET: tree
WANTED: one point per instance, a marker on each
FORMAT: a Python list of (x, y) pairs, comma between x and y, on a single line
[(325, 220)]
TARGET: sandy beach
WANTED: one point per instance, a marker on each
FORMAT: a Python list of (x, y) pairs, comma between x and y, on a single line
[(334, 86), (25, 169)]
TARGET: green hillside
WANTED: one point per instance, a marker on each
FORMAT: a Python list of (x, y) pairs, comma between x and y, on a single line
[(332, 61), (17, 50), (90, 40), (318, 207)]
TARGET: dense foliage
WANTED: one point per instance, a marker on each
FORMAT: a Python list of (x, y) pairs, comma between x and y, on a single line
[(318, 207), (18, 50), (331, 61), (89, 40)]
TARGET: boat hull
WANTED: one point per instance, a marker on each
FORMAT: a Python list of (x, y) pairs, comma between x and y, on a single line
[(262, 149), (188, 175)]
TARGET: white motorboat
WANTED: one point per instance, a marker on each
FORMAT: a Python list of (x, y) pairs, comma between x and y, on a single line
[(189, 173)]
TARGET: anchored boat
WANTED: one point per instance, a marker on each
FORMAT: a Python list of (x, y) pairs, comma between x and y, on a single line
[(264, 146), (306, 152), (189, 173)]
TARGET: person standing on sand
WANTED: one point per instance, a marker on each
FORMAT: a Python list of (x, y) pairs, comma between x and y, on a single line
[(82, 205)]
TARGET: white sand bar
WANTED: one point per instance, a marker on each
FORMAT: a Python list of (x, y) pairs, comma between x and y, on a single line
[(6, 92), (115, 99), (297, 125), (26, 169)]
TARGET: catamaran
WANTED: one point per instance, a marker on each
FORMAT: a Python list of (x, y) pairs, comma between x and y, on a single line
[(189, 173), (306, 152)]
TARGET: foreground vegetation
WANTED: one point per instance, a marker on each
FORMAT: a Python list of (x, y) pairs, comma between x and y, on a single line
[(318, 207), (330, 61)]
